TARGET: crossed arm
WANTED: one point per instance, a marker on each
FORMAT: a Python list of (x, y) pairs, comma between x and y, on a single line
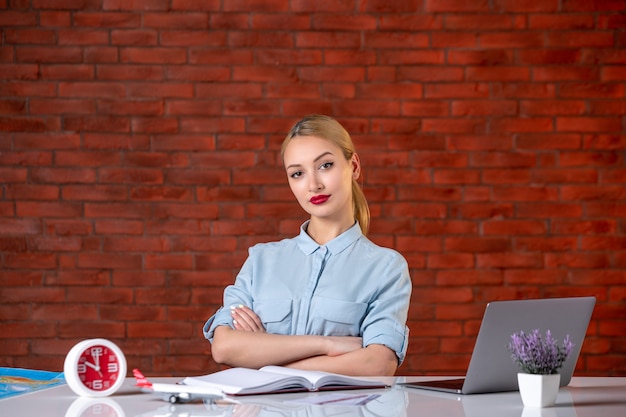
[(248, 345)]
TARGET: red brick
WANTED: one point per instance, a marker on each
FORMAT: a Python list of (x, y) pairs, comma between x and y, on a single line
[(591, 243), (604, 141), (532, 6), (476, 245), (426, 74), (553, 21), (438, 6), (576, 260), (453, 125), (546, 244), (467, 277), (608, 192), (65, 312), (565, 176), (611, 21), (563, 57), (135, 5), (30, 36), (598, 277), (153, 55), (168, 262), (483, 107), (530, 193), (64, 227), (91, 329), (109, 260), (381, 73), (54, 18), (101, 54), (16, 330), (456, 176), (416, 57), (501, 40), (526, 90), (483, 22), (186, 21), (348, 22), (514, 227), (130, 72), (131, 313), (456, 90), (549, 210), (97, 123), (29, 124), (382, 40), (617, 176), (503, 159), (525, 125), (16, 18), (587, 159), (505, 176), (435, 193), (450, 261), (585, 90), (479, 142), (537, 277), (589, 124), (501, 73), (48, 54), (579, 39)]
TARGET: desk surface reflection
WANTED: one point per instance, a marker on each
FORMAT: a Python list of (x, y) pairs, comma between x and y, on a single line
[(584, 397)]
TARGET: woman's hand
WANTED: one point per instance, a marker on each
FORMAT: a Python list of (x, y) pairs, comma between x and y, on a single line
[(246, 319)]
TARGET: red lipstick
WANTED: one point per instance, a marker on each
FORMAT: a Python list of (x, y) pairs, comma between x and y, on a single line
[(319, 199)]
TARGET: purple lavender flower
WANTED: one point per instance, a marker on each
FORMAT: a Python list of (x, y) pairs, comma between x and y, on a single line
[(534, 355)]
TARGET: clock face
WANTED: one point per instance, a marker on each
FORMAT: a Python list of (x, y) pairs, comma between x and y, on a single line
[(98, 367), (95, 367)]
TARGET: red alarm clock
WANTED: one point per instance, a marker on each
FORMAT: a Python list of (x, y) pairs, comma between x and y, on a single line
[(95, 368)]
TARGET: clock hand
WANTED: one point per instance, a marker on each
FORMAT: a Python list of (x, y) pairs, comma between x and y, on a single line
[(96, 355), (94, 367)]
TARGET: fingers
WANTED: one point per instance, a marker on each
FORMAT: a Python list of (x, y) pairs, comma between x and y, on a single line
[(246, 319)]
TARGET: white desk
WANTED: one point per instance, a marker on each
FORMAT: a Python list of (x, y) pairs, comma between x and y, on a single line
[(584, 397)]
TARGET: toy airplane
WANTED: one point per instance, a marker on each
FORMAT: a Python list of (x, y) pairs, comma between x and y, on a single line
[(177, 393)]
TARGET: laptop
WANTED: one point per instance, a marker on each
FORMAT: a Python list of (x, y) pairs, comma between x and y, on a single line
[(491, 368)]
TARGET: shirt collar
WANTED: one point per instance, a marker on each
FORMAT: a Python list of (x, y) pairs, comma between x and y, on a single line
[(338, 244)]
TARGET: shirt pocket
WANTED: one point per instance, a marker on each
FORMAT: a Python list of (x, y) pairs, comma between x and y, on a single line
[(337, 317), (275, 315)]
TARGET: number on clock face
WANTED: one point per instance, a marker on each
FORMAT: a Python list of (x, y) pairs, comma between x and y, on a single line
[(98, 368)]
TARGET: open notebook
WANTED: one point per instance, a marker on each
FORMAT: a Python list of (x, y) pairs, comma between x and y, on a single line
[(277, 379), (491, 368)]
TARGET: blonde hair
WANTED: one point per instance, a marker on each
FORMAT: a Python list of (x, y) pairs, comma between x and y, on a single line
[(326, 127)]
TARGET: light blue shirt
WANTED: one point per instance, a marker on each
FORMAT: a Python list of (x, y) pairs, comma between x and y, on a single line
[(348, 287)]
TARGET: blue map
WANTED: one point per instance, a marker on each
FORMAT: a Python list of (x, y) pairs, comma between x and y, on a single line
[(16, 381)]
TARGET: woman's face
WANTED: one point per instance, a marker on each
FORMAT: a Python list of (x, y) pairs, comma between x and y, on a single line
[(320, 177)]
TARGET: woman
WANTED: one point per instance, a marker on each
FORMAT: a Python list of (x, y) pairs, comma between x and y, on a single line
[(328, 299)]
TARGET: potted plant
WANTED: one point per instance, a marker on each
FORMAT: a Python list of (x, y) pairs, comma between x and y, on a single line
[(540, 360)]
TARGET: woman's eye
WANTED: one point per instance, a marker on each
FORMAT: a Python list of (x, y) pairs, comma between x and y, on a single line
[(296, 174), (326, 165)]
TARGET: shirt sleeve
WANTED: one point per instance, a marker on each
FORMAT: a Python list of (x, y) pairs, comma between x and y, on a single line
[(234, 295), (385, 323)]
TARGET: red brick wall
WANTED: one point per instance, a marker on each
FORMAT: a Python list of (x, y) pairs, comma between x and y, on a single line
[(139, 160)]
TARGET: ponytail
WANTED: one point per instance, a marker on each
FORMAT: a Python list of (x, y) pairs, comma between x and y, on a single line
[(361, 208)]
